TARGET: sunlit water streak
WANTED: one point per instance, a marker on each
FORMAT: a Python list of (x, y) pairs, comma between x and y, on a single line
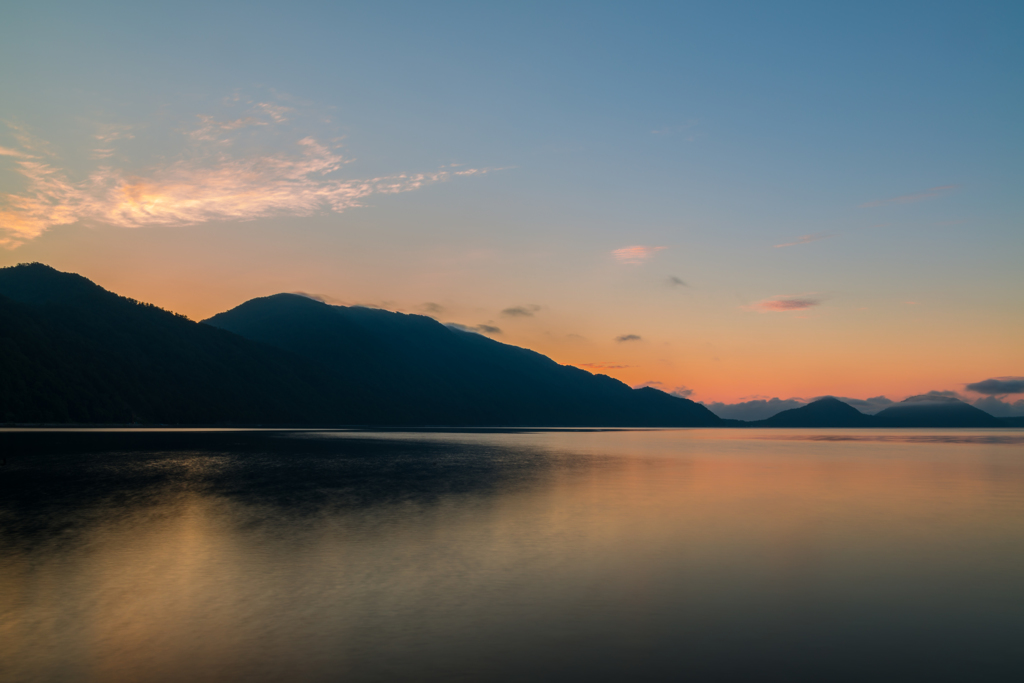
[(512, 556)]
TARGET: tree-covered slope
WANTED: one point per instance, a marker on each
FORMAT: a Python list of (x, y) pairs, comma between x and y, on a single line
[(418, 371), (71, 351)]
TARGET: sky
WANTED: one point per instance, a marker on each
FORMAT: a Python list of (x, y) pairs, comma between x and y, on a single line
[(735, 201)]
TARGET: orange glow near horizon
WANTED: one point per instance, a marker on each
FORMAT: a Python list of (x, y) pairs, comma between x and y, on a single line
[(790, 357), (667, 218)]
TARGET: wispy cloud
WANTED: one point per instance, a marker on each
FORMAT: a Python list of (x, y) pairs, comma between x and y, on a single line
[(676, 282), (476, 329), (107, 135), (628, 338), (998, 386), (204, 183), (930, 193), (521, 311), (777, 304), (7, 152), (212, 130), (430, 308), (636, 254), (112, 132), (806, 239), (275, 111), (604, 366), (322, 298), (678, 392)]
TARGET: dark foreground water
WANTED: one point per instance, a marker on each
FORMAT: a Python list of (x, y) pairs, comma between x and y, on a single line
[(703, 555)]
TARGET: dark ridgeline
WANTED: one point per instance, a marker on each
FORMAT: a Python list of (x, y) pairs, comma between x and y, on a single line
[(825, 412), (410, 369), (936, 411), (71, 351), (916, 411)]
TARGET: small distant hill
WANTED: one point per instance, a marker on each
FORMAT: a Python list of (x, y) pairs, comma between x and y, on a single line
[(825, 412), (935, 411), (916, 411), (72, 352)]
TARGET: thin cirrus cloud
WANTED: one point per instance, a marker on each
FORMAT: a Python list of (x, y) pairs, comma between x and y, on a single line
[(212, 130), (628, 338), (204, 184), (636, 254), (476, 329), (781, 304), (430, 308), (806, 239), (930, 193), (521, 311), (7, 152), (107, 136)]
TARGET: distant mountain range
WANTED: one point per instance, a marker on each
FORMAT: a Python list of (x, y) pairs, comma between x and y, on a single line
[(72, 352), (916, 411)]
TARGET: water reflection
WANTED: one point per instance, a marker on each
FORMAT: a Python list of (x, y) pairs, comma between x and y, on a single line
[(641, 555)]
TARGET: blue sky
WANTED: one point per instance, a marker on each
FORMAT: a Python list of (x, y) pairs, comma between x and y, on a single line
[(880, 141)]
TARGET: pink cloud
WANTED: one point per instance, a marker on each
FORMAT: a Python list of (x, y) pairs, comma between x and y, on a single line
[(778, 304), (636, 254), (7, 152), (198, 188)]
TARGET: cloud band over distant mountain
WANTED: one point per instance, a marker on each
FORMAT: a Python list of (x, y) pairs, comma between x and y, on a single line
[(998, 386)]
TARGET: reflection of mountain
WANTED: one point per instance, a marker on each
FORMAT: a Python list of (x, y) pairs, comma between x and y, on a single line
[(74, 352)]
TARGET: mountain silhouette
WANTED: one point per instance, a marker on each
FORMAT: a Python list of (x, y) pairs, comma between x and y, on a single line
[(916, 411), (935, 411), (411, 369), (825, 412), (72, 352)]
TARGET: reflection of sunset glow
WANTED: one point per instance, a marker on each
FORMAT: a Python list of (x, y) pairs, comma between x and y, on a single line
[(195, 585)]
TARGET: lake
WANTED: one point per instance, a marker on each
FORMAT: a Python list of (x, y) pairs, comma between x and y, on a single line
[(633, 555)]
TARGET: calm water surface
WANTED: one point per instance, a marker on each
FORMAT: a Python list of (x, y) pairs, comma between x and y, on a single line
[(703, 555)]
